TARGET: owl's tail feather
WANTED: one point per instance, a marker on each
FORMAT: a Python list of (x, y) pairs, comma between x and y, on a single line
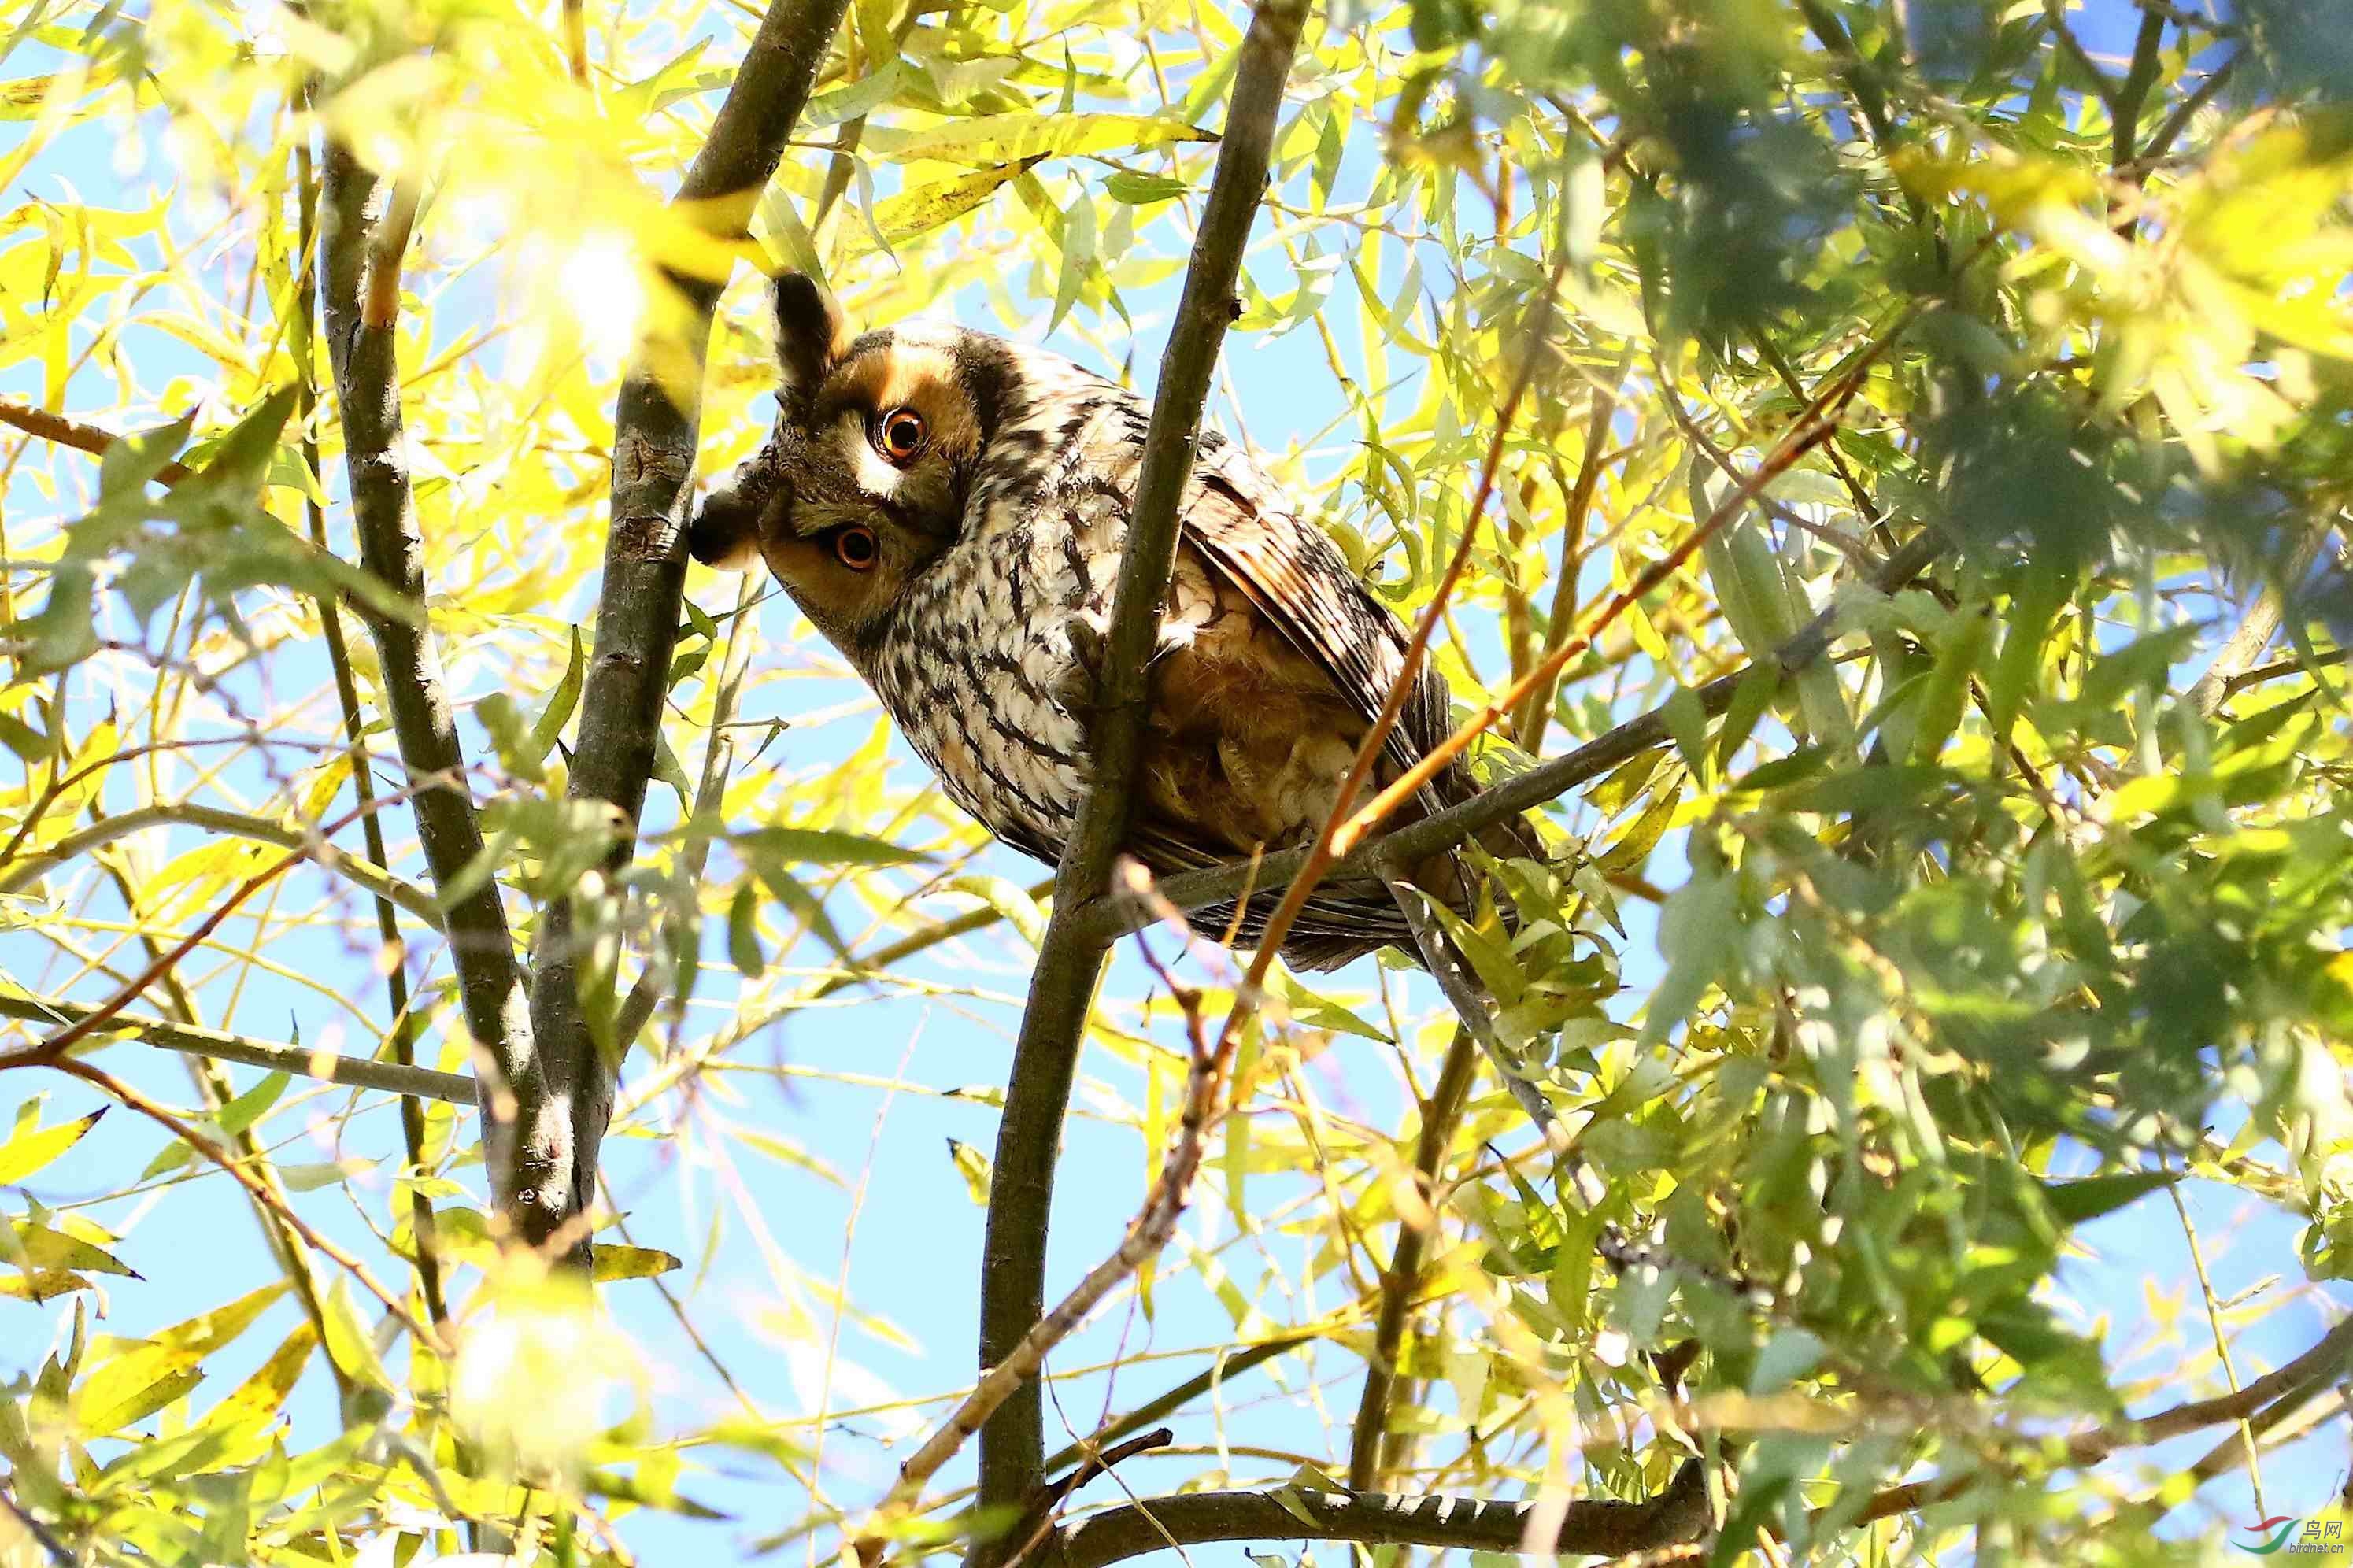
[(1470, 1001)]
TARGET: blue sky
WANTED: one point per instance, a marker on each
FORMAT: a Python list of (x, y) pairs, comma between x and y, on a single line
[(913, 1256)]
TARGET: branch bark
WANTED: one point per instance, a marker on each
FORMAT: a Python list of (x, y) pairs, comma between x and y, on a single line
[(1601, 1528), (361, 352), (568, 1100), (403, 1020), (1069, 960)]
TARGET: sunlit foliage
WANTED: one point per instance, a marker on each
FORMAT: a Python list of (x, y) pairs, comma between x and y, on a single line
[(1864, 997)]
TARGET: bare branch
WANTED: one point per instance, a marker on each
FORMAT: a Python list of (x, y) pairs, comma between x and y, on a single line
[(1228, 1364), (568, 1100), (416, 1082), (1063, 985), (1602, 1528)]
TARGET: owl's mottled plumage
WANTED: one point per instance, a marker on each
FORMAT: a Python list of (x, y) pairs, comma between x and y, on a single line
[(948, 508)]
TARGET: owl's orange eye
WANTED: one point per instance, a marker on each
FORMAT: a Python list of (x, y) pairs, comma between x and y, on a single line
[(899, 435), (857, 548)]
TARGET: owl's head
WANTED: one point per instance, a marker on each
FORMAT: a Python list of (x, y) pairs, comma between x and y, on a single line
[(863, 482)]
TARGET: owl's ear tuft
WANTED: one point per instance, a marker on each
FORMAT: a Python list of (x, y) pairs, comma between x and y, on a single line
[(810, 332)]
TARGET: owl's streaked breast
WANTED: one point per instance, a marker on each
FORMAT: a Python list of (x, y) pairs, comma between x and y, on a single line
[(976, 664)]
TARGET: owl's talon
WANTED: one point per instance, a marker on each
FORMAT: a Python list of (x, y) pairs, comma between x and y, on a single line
[(1075, 689)]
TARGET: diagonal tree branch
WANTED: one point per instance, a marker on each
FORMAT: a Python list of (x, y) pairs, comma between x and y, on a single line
[(568, 1100), (1070, 962), (1546, 781), (363, 231)]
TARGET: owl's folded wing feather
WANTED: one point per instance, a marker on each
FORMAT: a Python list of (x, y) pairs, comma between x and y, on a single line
[(1243, 525)]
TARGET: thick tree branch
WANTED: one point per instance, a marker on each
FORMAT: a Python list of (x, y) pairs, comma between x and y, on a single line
[(567, 1102), (361, 339), (1603, 1528), (417, 1083), (302, 339), (1070, 961), (1546, 781)]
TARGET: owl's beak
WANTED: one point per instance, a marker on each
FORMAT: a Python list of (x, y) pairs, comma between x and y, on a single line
[(727, 530)]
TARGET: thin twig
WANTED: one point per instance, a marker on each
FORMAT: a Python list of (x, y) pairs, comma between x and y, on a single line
[(215, 1044), (255, 1188), (52, 1050), (2161, 142), (1815, 426), (1403, 1277), (1228, 1364), (2222, 1340), (370, 879), (80, 436)]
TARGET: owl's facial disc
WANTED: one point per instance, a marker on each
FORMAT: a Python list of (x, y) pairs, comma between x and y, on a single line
[(863, 482)]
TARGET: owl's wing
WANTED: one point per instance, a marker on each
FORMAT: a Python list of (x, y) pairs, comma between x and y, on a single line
[(1244, 526)]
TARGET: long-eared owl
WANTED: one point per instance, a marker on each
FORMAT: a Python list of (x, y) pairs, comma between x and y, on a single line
[(948, 508)]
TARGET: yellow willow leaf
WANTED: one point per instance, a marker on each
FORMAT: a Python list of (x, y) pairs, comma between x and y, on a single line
[(918, 212), (1018, 138), (42, 1285), (617, 1262), (29, 1148), (47, 1248), (261, 1395)]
